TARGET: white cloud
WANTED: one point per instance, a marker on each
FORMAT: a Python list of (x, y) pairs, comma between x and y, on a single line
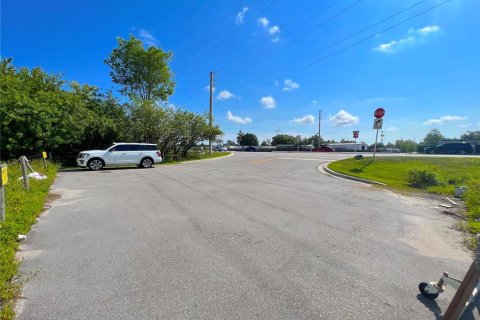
[(443, 120), (263, 21), (428, 29), (148, 38), (343, 118), (238, 120), (276, 39), (225, 95), (391, 129), (314, 101), (274, 30), (414, 36), (268, 102), (290, 85), (305, 119), (240, 16)]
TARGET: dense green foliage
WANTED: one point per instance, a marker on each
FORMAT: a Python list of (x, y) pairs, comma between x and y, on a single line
[(247, 139), (43, 112), (142, 73), (38, 114), (421, 178), (432, 138), (22, 208)]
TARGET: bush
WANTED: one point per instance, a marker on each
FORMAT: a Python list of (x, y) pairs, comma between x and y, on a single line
[(421, 178)]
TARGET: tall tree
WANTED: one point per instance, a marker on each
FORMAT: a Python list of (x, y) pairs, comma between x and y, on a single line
[(249, 139), (283, 139), (142, 73), (471, 135), (432, 138)]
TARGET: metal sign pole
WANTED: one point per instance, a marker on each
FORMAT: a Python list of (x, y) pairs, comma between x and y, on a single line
[(355, 144), (2, 196), (375, 147), (23, 162)]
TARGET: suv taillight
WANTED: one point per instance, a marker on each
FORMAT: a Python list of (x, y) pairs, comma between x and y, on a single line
[(159, 153)]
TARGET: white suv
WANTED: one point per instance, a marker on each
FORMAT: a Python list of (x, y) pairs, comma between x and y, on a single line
[(144, 155)]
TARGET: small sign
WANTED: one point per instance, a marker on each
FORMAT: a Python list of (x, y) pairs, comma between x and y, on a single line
[(355, 134), (44, 155), (4, 175), (377, 123), (379, 113)]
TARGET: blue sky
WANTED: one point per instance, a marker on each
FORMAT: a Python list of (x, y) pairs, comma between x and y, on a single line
[(277, 63)]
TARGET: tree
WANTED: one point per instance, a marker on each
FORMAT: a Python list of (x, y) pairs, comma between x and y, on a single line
[(471, 135), (248, 139), (283, 139), (432, 138), (142, 73), (240, 135), (230, 143), (267, 142), (406, 145)]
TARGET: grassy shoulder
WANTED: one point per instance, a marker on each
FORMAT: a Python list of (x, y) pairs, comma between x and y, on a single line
[(448, 173), (21, 209), (194, 156)]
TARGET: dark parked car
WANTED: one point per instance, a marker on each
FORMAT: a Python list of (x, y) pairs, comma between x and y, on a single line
[(452, 148), (323, 149), (251, 149)]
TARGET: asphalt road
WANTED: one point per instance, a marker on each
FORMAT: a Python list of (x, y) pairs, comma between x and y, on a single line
[(251, 236)]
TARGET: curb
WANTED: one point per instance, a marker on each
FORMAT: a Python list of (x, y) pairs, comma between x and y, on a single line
[(344, 176)]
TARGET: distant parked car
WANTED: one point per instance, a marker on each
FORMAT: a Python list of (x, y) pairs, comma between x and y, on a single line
[(220, 149), (144, 155), (452, 148), (323, 149), (250, 149)]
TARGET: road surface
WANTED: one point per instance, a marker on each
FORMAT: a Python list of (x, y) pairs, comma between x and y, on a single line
[(251, 236)]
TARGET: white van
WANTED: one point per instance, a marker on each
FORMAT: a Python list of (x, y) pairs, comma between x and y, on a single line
[(144, 155)]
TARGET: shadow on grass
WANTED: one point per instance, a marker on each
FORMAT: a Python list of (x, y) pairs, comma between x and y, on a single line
[(355, 170)]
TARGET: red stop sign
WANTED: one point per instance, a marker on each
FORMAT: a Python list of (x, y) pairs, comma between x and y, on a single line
[(355, 136), (379, 113)]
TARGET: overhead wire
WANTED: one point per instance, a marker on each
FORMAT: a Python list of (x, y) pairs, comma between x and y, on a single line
[(358, 42), (352, 35), (305, 33), (212, 37)]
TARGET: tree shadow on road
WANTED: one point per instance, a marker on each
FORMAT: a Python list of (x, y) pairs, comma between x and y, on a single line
[(432, 305), (361, 169)]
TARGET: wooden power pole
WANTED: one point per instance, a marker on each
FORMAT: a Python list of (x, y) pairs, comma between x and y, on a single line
[(211, 112)]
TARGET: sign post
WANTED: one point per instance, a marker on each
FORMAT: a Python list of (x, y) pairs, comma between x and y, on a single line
[(44, 156), (355, 136), (3, 181), (377, 124)]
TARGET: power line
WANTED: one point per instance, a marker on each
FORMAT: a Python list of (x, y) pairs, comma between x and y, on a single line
[(262, 42), (305, 33), (356, 43), (238, 29), (221, 30)]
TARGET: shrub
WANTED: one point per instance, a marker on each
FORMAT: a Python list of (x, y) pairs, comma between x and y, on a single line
[(421, 178)]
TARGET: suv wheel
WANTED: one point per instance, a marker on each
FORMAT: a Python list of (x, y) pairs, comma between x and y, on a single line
[(95, 164), (146, 163)]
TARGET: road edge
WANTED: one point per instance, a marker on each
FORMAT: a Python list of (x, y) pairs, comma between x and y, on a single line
[(344, 176)]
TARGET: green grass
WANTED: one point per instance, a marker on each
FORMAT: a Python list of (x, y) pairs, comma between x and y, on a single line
[(450, 172), (168, 159), (22, 208)]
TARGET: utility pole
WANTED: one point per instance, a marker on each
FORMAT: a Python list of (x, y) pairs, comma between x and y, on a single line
[(211, 112), (319, 122)]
